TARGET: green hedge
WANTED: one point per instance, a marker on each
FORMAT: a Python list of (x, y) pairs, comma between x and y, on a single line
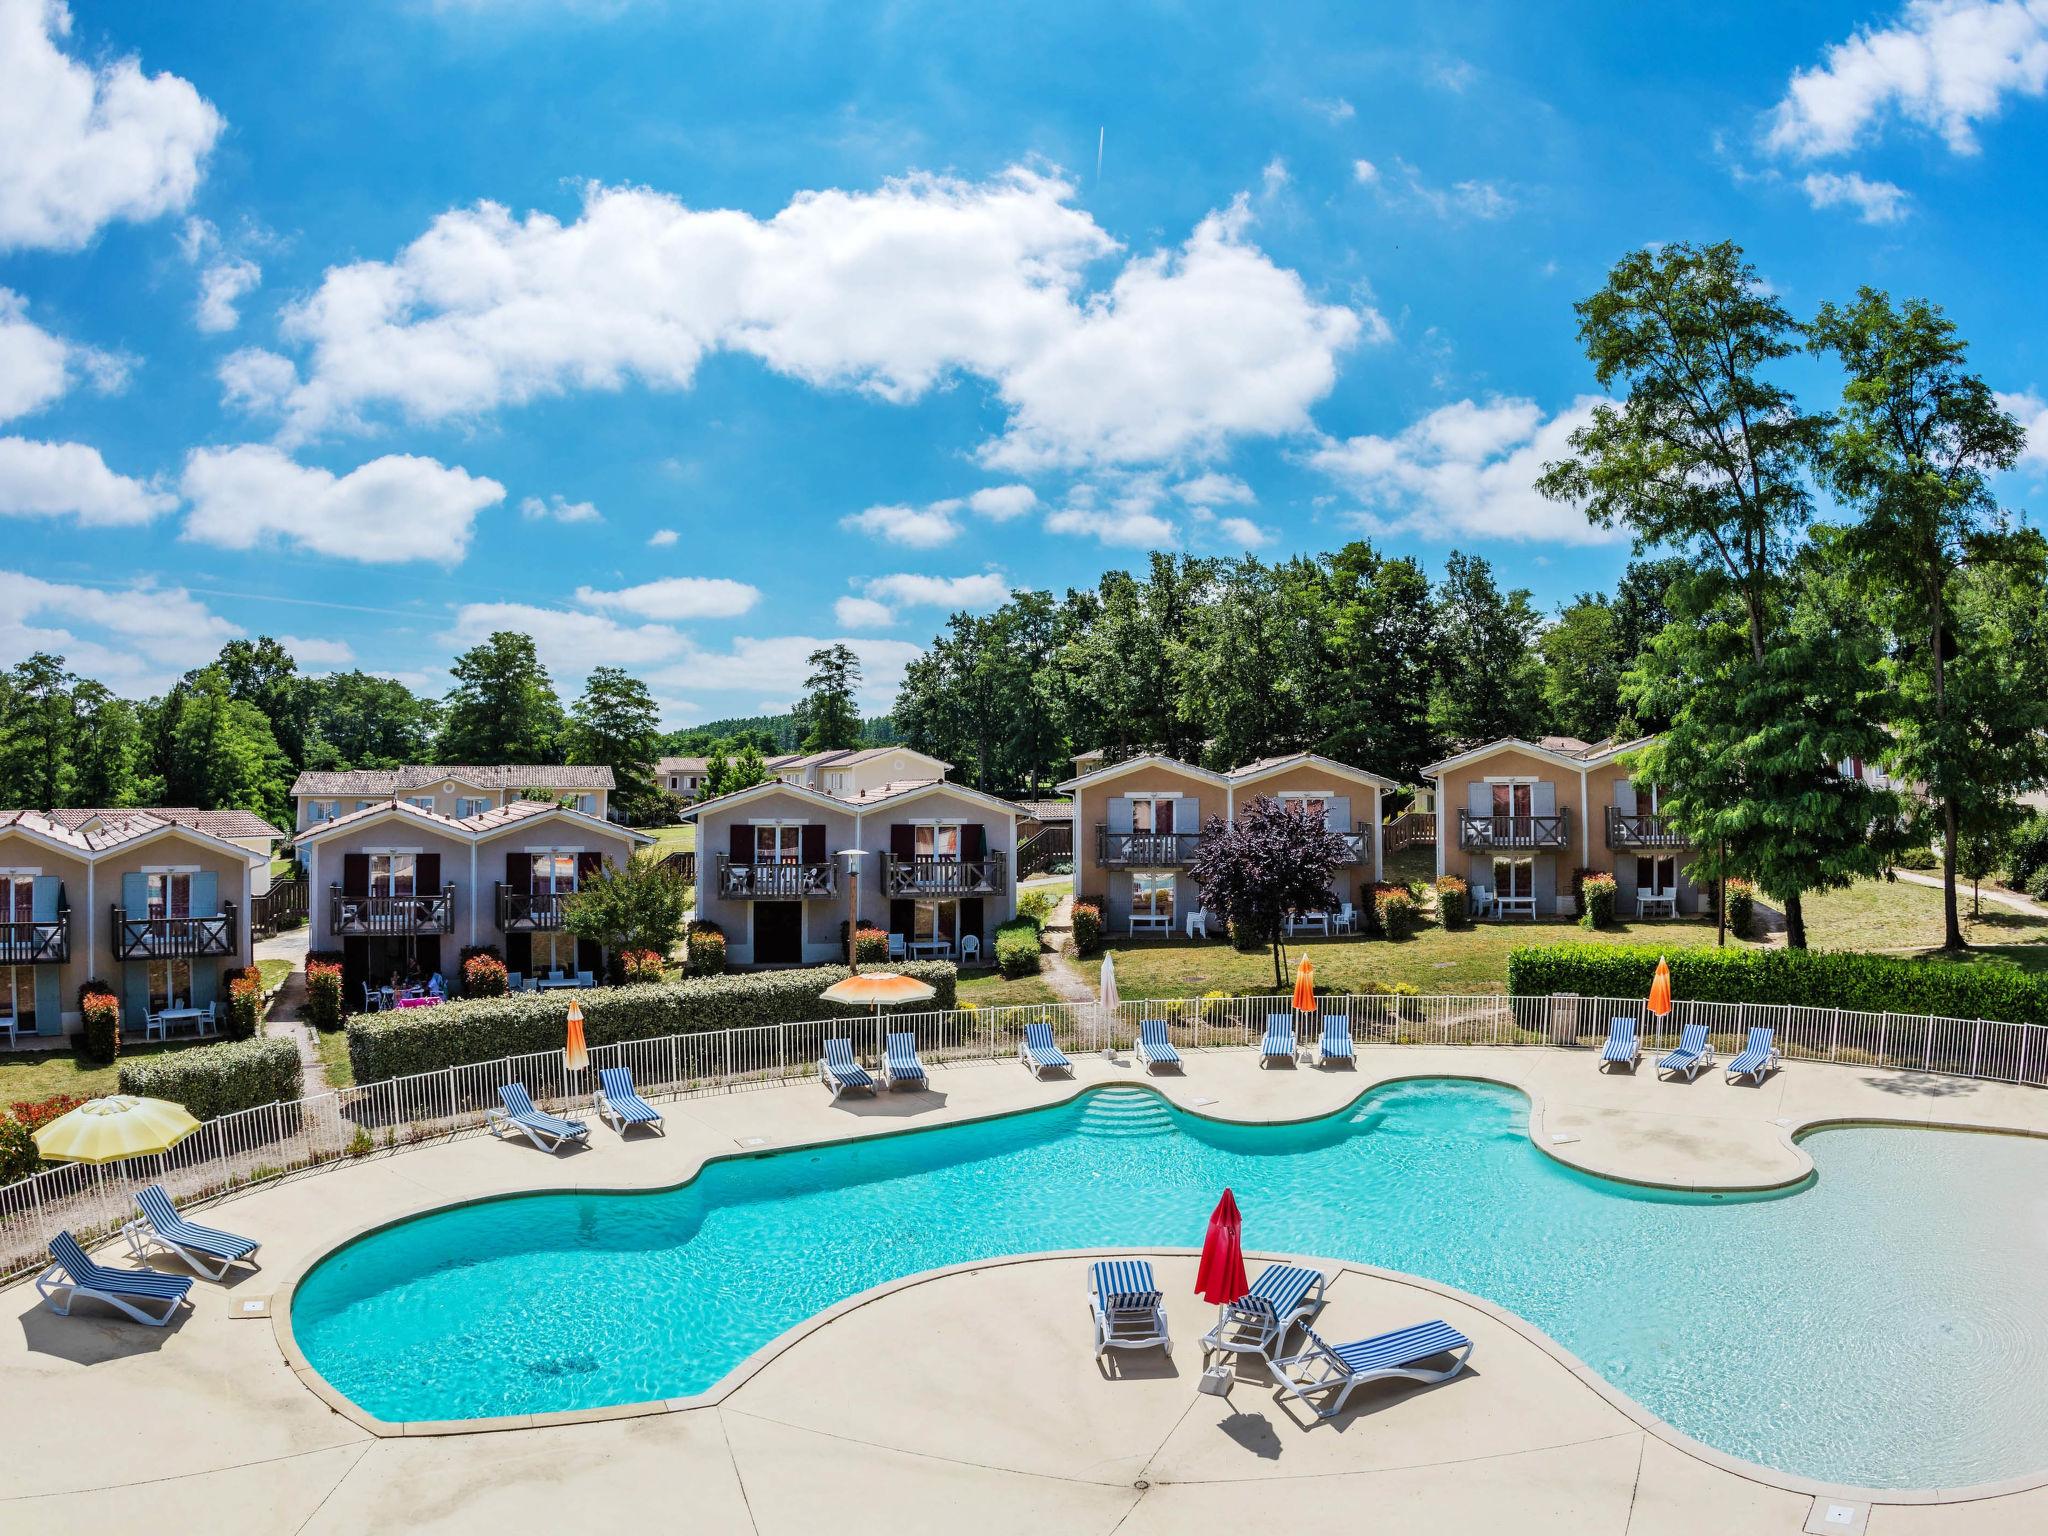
[(404, 1041), (1017, 947), (215, 1080), (1802, 978)]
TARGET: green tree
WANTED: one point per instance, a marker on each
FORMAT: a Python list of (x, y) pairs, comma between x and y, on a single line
[(1489, 683), (830, 715), (503, 707), (1369, 704), (717, 771), (108, 740), (1583, 664), (357, 720), (216, 751), (744, 768), (262, 672), (639, 906), (1642, 607), (616, 723), (38, 726), (1913, 449)]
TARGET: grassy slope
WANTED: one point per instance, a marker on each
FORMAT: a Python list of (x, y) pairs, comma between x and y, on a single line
[(1878, 914), (669, 840), (991, 989)]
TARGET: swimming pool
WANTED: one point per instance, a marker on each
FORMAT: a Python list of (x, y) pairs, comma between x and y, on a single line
[(1886, 1325)]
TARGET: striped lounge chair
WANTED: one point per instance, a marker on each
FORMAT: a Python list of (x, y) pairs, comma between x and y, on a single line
[(74, 1275), (1623, 1049), (1758, 1058), (1695, 1051), (899, 1059), (547, 1132), (838, 1070), (620, 1104), (1343, 1368), (1258, 1321), (160, 1226), (1334, 1044), (1037, 1051), (1279, 1042), (1153, 1048), (1127, 1306)]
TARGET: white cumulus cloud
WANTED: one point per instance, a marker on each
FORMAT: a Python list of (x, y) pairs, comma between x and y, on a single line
[(312, 651), (569, 643), (1875, 202), (2032, 413), (135, 638), (221, 287), (397, 508), (924, 527), (560, 509), (1000, 503), (37, 367), (677, 597), (86, 145), (986, 590), (863, 613), (72, 480), (1214, 490), (662, 538)]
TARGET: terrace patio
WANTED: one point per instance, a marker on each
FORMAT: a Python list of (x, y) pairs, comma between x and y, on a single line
[(969, 1395)]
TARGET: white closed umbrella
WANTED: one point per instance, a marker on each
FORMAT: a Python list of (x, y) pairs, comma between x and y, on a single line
[(1108, 1004)]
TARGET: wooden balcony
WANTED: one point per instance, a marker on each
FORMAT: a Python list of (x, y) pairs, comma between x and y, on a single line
[(1145, 850), (530, 911), (945, 877), (1485, 833), (421, 912), (1355, 851), (775, 882), (45, 943), (1627, 829), (160, 937)]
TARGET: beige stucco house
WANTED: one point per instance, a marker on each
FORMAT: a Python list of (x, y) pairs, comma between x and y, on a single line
[(454, 790)]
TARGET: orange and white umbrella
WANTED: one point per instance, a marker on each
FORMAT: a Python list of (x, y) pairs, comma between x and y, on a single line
[(575, 1055), (882, 988), (1660, 989)]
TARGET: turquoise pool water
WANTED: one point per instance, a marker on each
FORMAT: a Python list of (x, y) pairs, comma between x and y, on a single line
[(1886, 1325)]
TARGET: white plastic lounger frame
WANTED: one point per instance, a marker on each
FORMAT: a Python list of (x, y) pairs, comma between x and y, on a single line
[(1037, 1051), (619, 1104), (1153, 1048), (160, 1226), (1623, 1049), (1127, 1307), (838, 1070), (1695, 1053), (1279, 1041), (1759, 1058), (1343, 1368), (1334, 1043), (74, 1275), (1258, 1322), (900, 1063), (547, 1132)]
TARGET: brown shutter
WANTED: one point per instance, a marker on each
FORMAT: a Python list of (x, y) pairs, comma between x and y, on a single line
[(903, 841), (427, 874), (902, 918), (519, 872), (1162, 815), (588, 867), (971, 920), (355, 874), (741, 843), (814, 842), (973, 842)]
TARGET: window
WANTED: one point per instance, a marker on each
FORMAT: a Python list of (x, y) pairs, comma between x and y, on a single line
[(322, 810), (17, 899), (1657, 877), (362, 805), (554, 871), (422, 802), (1152, 898), (17, 993), (391, 874), (779, 844), (835, 783), (471, 805), (935, 920), (1514, 877), (1152, 813), (938, 842), (554, 952), (170, 893), (587, 804), (1314, 804), (170, 984)]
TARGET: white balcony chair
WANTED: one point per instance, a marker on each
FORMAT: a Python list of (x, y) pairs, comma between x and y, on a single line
[(970, 949), (154, 1027), (1198, 920), (1346, 920), (898, 949), (373, 1000), (1482, 900)]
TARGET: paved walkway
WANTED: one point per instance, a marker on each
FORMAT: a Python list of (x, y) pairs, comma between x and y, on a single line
[(290, 1001), (2012, 899)]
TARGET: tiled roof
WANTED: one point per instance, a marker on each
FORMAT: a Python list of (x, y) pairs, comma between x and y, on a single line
[(227, 824), (391, 781), (682, 765), (890, 790), (114, 830), (495, 819), (1047, 810)]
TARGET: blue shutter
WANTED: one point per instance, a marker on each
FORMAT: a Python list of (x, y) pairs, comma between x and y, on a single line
[(1337, 813), (205, 982), (1119, 813), (1543, 798), (1624, 797), (135, 893), (1479, 798), (134, 993), (1190, 807), (205, 892), (45, 893), (49, 998)]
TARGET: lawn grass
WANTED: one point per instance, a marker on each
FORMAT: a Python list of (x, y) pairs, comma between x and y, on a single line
[(333, 1047), (678, 839), (38, 1074), (1882, 914), (274, 973), (992, 989)]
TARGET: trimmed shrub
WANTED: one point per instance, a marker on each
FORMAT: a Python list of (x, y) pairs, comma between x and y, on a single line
[(469, 952), (705, 953), (1596, 900), (18, 1157), (641, 965), (484, 976), (101, 1015), (1801, 978), (243, 1019), (2028, 860), (1087, 928), (1918, 857), (402, 1042), (323, 993), (871, 946), (1453, 901), (1017, 948), (1741, 909), (215, 1080), (1394, 911), (1037, 907)]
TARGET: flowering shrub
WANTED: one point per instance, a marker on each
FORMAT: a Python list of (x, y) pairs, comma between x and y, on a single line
[(17, 1132), (1394, 911), (483, 976), (1453, 901), (641, 965), (101, 1012), (1087, 928), (870, 946), (1596, 901), (706, 950), (1741, 908), (323, 993), (244, 1018)]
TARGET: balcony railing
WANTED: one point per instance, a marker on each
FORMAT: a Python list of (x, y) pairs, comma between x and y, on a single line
[(381, 913), (1354, 847), (529, 911), (775, 882), (1548, 831), (1145, 850), (946, 877), (31, 943), (160, 937), (1632, 830)]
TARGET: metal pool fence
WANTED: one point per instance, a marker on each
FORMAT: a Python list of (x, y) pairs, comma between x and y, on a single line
[(256, 1146)]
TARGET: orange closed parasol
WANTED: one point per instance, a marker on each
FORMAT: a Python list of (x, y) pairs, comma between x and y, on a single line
[(575, 1055), (1660, 988), (1305, 986)]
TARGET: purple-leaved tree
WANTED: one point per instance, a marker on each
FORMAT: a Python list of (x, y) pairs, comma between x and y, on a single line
[(1275, 859)]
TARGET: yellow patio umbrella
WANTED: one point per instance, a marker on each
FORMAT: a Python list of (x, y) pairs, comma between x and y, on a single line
[(1305, 986), (116, 1127), (1660, 989), (575, 1055), (879, 988)]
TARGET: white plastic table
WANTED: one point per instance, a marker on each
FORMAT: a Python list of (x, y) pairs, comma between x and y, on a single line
[(1526, 905), (1648, 902), (930, 947)]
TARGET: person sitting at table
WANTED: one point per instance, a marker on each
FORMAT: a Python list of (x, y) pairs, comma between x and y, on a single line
[(436, 987)]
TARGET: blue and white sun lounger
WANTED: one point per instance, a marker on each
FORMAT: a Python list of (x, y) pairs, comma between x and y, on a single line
[(1279, 1041), (547, 1132), (1623, 1049), (838, 1070), (1759, 1057), (160, 1226), (74, 1275), (1038, 1052), (1153, 1048), (1334, 1044), (1345, 1367), (1257, 1322), (1128, 1308), (899, 1059), (620, 1104), (1695, 1051)]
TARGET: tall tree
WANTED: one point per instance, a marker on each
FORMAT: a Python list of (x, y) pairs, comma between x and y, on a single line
[(1913, 449), (1488, 683), (358, 720), (108, 740), (38, 725), (616, 723), (216, 751), (503, 707), (1706, 452), (262, 672), (830, 714), (1582, 667), (1370, 704)]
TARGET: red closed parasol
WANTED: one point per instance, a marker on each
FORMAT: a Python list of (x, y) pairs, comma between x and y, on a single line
[(1220, 1278)]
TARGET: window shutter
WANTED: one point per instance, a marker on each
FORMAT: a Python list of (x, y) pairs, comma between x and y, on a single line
[(741, 843), (814, 842), (973, 843), (426, 871), (903, 841), (519, 872), (355, 874), (588, 867)]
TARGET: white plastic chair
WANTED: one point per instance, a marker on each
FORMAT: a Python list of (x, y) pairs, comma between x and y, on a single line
[(1482, 900), (515, 981), (898, 949), (1198, 919), (373, 1000), (586, 979), (970, 949), (1346, 920), (154, 1028)]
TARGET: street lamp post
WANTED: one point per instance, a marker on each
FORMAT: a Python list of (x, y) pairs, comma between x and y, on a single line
[(853, 857)]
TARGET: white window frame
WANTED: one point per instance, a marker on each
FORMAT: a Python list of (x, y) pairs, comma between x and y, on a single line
[(933, 919), (554, 856), (167, 970), (421, 802), (1656, 861), (471, 805), (790, 833), (20, 981), (1513, 862), (1150, 800), (397, 861), (587, 804), (1151, 886)]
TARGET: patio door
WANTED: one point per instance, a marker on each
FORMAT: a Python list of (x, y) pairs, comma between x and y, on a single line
[(779, 845), (1657, 876), (1512, 810), (778, 932), (1514, 877)]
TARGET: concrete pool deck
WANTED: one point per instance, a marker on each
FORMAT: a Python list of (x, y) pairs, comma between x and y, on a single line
[(971, 1396)]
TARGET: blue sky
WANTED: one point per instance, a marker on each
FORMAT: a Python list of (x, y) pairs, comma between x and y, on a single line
[(689, 336)]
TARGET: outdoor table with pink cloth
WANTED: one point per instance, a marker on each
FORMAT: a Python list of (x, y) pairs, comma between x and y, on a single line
[(418, 1002)]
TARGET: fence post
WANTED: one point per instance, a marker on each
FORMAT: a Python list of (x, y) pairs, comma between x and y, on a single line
[(1976, 1044), (1835, 1037)]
